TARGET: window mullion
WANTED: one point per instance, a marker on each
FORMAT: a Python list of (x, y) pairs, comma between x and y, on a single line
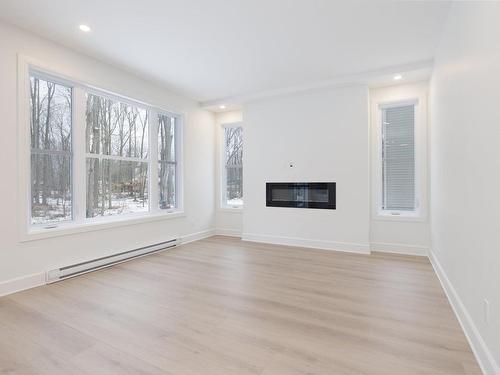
[(79, 159), (153, 161), (118, 158)]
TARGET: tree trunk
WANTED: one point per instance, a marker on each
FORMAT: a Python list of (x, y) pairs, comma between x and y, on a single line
[(46, 162)]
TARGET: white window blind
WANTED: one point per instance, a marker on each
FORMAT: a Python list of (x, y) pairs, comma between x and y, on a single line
[(398, 158)]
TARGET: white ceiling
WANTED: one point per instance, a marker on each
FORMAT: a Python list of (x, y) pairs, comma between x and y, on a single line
[(211, 49)]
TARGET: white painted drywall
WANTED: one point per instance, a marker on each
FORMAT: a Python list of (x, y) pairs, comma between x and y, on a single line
[(325, 135), (465, 162), (228, 221), (399, 234), (20, 259)]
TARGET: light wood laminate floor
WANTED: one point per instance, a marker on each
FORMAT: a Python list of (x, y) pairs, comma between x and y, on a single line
[(222, 306)]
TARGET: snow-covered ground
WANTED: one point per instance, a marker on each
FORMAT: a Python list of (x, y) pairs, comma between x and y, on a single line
[(235, 202), (123, 206), (52, 212), (55, 213)]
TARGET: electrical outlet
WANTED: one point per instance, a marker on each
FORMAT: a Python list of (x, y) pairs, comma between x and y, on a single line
[(486, 305)]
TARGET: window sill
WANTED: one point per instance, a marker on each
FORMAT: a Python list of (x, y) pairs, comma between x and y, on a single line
[(234, 210), (96, 224), (403, 217)]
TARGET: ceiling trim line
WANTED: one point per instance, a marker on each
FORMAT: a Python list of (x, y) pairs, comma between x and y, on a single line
[(362, 78)]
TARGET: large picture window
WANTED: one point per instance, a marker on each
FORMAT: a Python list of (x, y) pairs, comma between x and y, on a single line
[(95, 156), (232, 174), (50, 130)]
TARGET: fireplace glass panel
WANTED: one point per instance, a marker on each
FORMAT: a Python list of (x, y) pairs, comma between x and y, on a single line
[(301, 194), (317, 195), (281, 194)]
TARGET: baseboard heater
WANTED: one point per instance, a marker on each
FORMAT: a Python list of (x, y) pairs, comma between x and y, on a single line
[(107, 261)]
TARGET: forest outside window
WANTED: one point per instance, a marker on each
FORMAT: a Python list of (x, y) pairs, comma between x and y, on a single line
[(96, 156), (167, 162), (232, 173), (51, 151), (117, 157)]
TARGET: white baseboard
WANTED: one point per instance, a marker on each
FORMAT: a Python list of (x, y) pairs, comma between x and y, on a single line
[(483, 355), (304, 242), (397, 248), (197, 236), (21, 283), (228, 232)]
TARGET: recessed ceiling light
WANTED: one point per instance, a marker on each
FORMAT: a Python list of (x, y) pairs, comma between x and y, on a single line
[(222, 106), (397, 77), (84, 28)]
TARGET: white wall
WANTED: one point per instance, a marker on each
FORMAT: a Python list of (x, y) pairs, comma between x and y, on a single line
[(228, 221), (465, 164), (325, 134), (393, 234), (20, 259)]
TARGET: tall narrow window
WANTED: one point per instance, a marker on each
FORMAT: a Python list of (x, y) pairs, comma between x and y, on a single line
[(167, 162), (232, 181), (117, 157), (50, 130), (398, 158)]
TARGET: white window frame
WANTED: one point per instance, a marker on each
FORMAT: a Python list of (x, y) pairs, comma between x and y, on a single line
[(80, 223), (222, 166), (420, 128)]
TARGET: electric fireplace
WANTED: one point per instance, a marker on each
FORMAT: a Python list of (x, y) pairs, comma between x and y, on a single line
[(301, 194)]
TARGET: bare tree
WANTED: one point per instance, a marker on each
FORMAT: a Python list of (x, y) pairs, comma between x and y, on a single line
[(46, 142)]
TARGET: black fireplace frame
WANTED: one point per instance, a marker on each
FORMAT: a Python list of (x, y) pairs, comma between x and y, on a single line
[(294, 203)]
